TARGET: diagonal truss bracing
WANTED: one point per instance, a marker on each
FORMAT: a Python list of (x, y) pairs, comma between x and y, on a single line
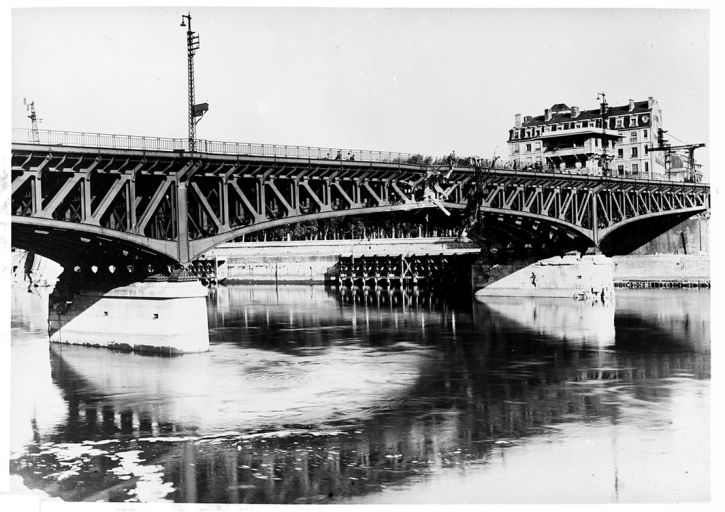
[(195, 202)]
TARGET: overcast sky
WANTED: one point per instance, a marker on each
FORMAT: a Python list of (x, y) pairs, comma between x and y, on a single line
[(427, 81)]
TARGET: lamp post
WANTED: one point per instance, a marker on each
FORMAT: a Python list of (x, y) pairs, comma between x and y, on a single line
[(195, 111)]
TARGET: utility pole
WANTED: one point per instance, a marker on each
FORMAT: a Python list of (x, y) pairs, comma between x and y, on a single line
[(30, 108), (195, 111), (665, 146)]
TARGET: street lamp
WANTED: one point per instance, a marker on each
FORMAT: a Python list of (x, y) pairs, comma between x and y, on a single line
[(194, 111)]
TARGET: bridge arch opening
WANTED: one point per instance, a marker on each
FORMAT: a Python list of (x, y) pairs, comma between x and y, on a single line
[(627, 236)]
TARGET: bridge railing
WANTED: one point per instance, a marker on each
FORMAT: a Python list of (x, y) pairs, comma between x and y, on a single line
[(114, 141), (138, 142)]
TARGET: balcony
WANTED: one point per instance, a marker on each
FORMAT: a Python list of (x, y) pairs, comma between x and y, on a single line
[(591, 130), (585, 149)]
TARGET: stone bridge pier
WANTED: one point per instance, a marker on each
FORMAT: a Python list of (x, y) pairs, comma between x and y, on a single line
[(163, 314)]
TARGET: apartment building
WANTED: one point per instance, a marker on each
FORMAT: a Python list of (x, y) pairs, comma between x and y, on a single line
[(608, 139)]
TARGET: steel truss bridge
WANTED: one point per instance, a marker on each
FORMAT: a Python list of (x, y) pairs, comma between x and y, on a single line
[(81, 198)]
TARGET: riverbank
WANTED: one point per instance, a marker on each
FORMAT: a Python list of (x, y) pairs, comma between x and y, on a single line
[(661, 270), (314, 261)]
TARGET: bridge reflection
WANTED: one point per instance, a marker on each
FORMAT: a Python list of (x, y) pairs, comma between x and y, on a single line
[(436, 388)]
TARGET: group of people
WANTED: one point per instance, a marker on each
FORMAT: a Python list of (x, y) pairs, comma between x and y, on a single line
[(350, 156)]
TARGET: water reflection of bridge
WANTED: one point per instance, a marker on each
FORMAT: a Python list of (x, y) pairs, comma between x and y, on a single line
[(482, 379)]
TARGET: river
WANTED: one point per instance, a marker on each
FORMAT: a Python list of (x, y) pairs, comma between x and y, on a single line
[(310, 396)]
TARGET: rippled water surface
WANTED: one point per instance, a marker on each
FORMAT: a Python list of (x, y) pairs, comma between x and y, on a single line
[(311, 396)]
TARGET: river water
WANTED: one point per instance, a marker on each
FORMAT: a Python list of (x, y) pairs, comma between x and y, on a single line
[(310, 396)]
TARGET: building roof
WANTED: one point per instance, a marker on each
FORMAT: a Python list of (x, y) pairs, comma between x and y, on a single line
[(559, 107), (640, 107)]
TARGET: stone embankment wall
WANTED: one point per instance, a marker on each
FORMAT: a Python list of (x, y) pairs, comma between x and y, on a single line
[(315, 261), (689, 237), (681, 255), (662, 267)]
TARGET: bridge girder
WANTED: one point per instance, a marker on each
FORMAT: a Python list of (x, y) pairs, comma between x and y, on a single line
[(178, 205)]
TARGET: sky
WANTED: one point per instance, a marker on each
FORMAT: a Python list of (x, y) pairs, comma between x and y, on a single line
[(412, 80)]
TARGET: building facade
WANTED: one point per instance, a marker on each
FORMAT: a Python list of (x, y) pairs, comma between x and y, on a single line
[(605, 140)]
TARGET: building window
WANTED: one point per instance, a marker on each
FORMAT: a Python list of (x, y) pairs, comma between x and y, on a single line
[(598, 123), (635, 169), (633, 121), (516, 148), (619, 123), (620, 170), (646, 167), (635, 153), (537, 133), (585, 124), (633, 137), (620, 153), (644, 134), (516, 135), (537, 146), (528, 148), (528, 133)]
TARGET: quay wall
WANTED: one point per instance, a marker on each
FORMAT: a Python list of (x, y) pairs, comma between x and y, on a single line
[(662, 267), (314, 261), (680, 254), (691, 236)]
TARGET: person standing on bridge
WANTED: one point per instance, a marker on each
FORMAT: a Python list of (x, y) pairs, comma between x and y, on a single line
[(338, 156), (452, 159)]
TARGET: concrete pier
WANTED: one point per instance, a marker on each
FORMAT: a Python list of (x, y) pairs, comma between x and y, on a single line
[(567, 276), (152, 316)]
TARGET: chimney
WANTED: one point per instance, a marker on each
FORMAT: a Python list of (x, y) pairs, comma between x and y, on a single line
[(650, 102), (547, 114), (631, 104), (574, 111), (517, 121)]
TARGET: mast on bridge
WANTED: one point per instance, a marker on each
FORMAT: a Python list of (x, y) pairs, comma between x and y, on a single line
[(30, 108), (195, 111)]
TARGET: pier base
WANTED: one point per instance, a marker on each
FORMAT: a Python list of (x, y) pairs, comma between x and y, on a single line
[(567, 276), (158, 317)]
